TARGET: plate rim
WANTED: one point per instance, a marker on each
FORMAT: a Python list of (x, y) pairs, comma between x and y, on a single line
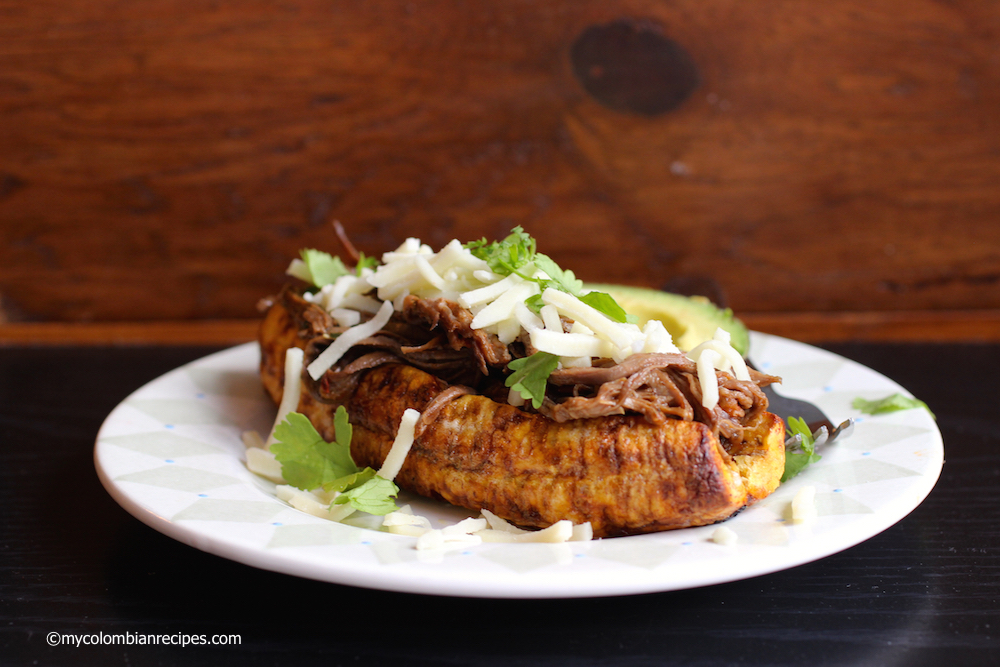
[(460, 584)]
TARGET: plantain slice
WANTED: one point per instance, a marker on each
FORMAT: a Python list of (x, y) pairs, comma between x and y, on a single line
[(621, 473)]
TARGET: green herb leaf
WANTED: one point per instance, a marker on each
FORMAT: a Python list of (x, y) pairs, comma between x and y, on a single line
[(530, 376), (534, 303), (891, 403), (343, 432), (795, 461), (507, 256), (350, 481), (307, 461), (373, 496), (518, 249), (323, 267), (565, 281), (365, 262), (606, 304)]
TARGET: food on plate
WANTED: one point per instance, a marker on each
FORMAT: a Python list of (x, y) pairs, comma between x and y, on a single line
[(891, 403), (803, 452), (539, 400), (690, 320)]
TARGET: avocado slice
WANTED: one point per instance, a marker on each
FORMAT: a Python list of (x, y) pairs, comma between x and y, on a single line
[(690, 320)]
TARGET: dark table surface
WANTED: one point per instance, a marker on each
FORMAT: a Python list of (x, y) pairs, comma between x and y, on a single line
[(924, 592)]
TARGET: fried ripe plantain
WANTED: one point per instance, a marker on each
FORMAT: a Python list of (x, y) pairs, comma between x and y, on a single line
[(621, 473)]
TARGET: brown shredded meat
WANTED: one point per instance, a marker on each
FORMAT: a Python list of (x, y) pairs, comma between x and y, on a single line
[(436, 335)]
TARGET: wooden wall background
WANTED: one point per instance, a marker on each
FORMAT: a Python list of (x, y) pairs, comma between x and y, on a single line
[(162, 160)]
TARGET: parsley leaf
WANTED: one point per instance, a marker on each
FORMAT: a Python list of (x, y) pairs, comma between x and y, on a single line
[(373, 496), (565, 281), (507, 256), (606, 304), (365, 262), (891, 403), (534, 303), (530, 376), (309, 462), (795, 461), (323, 267), (518, 250)]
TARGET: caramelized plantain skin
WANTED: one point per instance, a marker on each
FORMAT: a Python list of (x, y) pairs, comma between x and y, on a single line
[(621, 473)]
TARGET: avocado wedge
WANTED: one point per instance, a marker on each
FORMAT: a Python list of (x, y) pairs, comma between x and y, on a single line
[(690, 320)]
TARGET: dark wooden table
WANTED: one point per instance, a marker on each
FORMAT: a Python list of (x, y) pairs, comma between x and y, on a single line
[(924, 592)]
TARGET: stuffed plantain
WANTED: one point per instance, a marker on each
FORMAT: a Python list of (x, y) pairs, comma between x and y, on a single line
[(638, 444)]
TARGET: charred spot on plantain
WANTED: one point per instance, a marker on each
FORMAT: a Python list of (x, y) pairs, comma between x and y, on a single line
[(630, 66), (507, 417), (709, 482)]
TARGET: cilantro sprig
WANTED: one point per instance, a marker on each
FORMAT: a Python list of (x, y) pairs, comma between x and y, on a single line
[(796, 460), (507, 256), (365, 262), (321, 268), (324, 268), (373, 496), (892, 403), (512, 255), (565, 281), (518, 250), (309, 462), (530, 376)]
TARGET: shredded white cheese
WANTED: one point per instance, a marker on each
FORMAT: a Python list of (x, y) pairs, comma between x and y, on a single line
[(724, 536), (619, 334), (804, 505), (400, 446), (569, 344), (727, 355), (714, 354), (502, 307), (299, 269), (488, 528), (346, 317), (552, 321), (263, 463), (291, 392), (582, 532), (404, 522), (560, 531), (310, 503), (488, 293), (498, 307), (498, 523), (332, 354)]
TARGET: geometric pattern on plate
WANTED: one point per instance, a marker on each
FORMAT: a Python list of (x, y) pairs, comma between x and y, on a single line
[(162, 445), (864, 484), (179, 478), (222, 509), (181, 411)]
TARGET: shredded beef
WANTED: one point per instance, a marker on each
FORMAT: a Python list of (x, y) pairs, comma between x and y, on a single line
[(436, 335), (437, 404), (456, 323), (658, 386)]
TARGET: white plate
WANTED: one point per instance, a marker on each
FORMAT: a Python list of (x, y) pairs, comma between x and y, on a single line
[(171, 455)]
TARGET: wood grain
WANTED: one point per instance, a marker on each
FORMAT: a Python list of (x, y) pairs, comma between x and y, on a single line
[(976, 326), (164, 160)]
